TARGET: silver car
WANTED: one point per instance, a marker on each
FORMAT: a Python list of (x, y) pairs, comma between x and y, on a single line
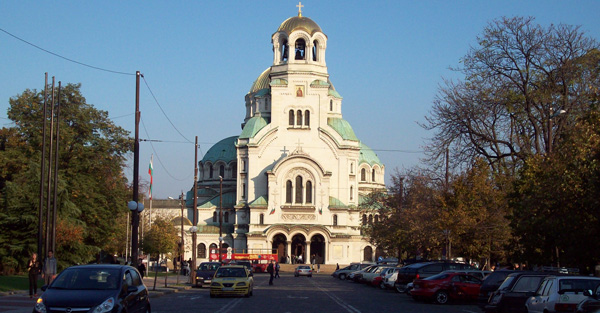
[(561, 293), (303, 270)]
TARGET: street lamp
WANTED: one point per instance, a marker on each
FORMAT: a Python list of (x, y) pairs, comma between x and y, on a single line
[(552, 116), (220, 218), (136, 208)]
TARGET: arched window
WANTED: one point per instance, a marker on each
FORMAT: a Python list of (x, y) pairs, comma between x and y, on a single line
[(213, 247), (299, 118), (351, 168), (202, 251), (330, 105), (300, 49), (210, 171), (288, 191), (291, 118), (284, 51), (334, 219), (215, 217), (373, 176), (351, 193), (308, 191), (222, 171), (370, 219), (261, 219), (363, 174), (234, 170), (376, 218), (315, 49), (307, 118), (226, 217), (243, 190), (299, 189), (364, 219)]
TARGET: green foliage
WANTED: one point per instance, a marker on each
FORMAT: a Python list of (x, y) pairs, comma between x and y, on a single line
[(161, 238), (92, 190)]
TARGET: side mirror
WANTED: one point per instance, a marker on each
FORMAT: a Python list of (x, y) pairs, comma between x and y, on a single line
[(44, 287)]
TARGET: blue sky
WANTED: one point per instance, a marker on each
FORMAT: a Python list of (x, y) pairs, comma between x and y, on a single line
[(199, 58)]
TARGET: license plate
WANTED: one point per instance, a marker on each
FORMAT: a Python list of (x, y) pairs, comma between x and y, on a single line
[(227, 288)]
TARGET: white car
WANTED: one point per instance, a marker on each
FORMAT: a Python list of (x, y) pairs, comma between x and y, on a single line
[(390, 278), (561, 293)]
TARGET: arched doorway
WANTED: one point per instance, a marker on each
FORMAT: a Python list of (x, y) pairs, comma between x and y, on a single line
[(299, 248), (317, 248), (368, 254), (379, 253), (280, 245)]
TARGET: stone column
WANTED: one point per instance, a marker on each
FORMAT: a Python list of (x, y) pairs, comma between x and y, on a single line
[(308, 255), (289, 250)]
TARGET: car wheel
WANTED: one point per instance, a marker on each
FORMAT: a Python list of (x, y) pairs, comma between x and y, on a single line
[(441, 297), (342, 276), (400, 289), (247, 295)]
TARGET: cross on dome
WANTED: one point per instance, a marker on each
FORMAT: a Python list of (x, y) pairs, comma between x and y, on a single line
[(300, 6)]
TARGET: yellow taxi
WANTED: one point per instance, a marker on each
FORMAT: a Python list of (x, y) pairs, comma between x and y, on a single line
[(232, 280)]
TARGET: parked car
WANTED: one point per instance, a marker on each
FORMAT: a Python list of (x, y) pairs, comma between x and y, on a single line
[(592, 303), (477, 273), (247, 264), (378, 279), (95, 288), (357, 275), (205, 273), (342, 273), (368, 277), (414, 271), (491, 284), (303, 270), (390, 278), (561, 293), (232, 280), (445, 286), (514, 291)]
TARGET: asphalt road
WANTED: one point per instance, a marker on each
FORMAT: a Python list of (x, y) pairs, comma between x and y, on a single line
[(321, 293)]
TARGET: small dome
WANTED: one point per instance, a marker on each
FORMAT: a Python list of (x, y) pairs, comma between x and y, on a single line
[(368, 156), (342, 127), (223, 150), (253, 126), (262, 82), (299, 22)]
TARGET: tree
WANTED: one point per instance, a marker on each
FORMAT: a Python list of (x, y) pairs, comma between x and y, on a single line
[(92, 190), (515, 80), (160, 239)]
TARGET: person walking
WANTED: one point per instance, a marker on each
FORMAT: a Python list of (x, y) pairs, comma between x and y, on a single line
[(141, 268), (49, 271), (277, 270), (270, 270), (34, 267)]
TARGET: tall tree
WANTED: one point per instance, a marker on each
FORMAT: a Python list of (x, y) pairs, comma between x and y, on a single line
[(516, 79), (92, 190)]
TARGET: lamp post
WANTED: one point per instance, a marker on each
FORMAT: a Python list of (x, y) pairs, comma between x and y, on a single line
[(136, 208), (552, 116), (182, 250), (220, 218)]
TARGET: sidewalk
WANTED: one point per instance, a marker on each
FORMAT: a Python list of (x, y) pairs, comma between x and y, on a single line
[(172, 285)]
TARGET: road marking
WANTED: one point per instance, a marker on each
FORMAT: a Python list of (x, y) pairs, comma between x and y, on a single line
[(229, 306), (337, 300), (292, 297)]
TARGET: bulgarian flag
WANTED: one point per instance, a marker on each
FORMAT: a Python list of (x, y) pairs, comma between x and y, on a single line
[(272, 211), (150, 171)]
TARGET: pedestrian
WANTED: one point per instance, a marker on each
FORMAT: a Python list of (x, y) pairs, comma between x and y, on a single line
[(337, 266), (318, 267), (34, 267), (277, 270), (49, 271), (270, 271), (287, 259), (141, 268), (312, 262), (300, 259)]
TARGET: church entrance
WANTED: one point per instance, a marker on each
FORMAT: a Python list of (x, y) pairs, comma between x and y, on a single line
[(280, 245), (299, 249), (368, 254), (317, 249)]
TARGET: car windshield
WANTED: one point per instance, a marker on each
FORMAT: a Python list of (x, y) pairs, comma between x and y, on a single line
[(437, 277), (506, 282), (87, 279), (208, 267), (527, 284), (231, 272), (577, 285), (304, 267)]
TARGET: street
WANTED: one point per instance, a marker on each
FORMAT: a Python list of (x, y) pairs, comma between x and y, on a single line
[(321, 293)]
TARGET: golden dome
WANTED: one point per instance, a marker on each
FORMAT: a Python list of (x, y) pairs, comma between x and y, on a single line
[(299, 22), (262, 81)]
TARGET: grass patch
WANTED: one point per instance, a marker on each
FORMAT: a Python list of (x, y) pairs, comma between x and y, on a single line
[(16, 282)]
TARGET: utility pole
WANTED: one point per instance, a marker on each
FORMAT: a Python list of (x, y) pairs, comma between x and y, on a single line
[(55, 197), (195, 214), (42, 175), (48, 217), (135, 218)]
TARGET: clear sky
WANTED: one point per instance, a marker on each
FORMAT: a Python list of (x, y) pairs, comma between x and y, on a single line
[(199, 58)]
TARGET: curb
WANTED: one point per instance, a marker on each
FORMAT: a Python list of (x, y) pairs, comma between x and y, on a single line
[(12, 292)]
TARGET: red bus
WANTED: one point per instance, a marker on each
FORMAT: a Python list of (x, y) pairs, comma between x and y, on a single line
[(259, 258)]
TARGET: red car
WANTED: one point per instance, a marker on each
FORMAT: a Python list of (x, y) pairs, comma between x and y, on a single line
[(442, 287)]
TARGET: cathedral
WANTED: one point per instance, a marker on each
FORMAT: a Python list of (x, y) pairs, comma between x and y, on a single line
[(291, 182)]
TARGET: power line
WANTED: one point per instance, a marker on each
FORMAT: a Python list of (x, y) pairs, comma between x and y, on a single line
[(65, 58)]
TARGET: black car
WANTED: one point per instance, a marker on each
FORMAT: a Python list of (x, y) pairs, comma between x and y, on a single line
[(409, 273), (514, 292), (95, 288), (205, 272), (491, 284)]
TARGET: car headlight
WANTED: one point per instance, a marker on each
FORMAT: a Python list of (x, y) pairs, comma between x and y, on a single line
[(106, 306), (39, 306), (241, 284)]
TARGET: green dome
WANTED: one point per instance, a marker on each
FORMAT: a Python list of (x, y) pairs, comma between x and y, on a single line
[(368, 156), (342, 127), (253, 126), (299, 22), (223, 150), (262, 82)]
